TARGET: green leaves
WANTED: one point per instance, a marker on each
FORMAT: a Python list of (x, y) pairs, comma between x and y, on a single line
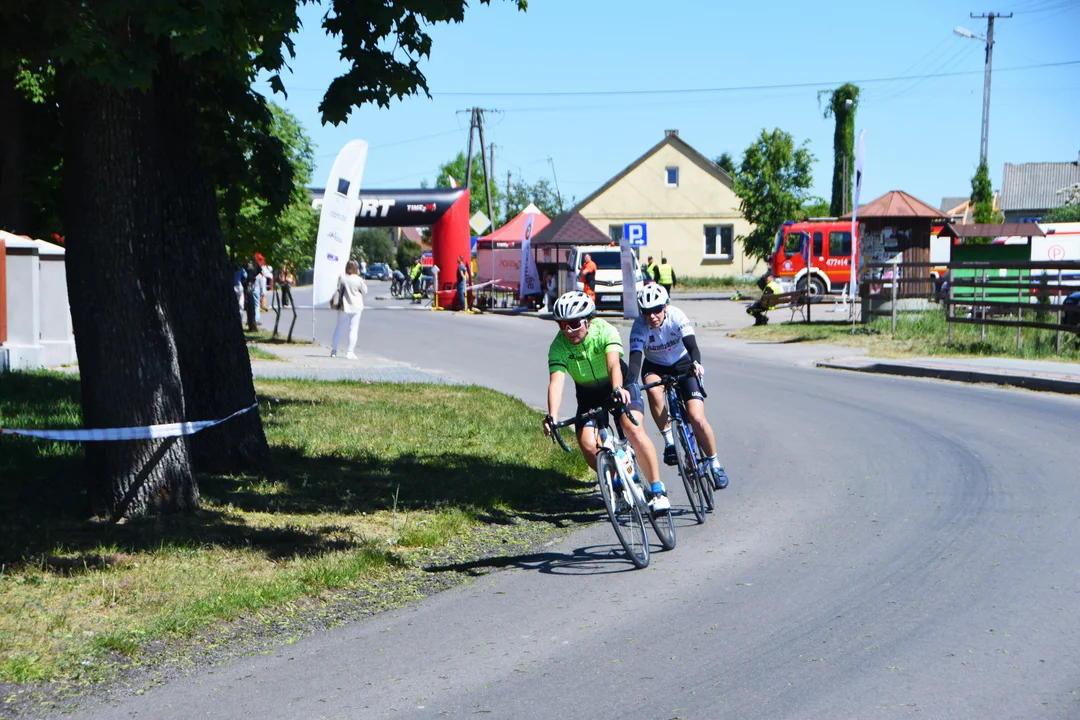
[(772, 183), (265, 206), (982, 195), (457, 168), (541, 193)]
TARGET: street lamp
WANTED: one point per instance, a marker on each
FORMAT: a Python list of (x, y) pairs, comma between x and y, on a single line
[(965, 33)]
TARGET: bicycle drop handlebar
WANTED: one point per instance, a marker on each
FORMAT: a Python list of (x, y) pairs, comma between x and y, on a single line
[(593, 414), (667, 380)]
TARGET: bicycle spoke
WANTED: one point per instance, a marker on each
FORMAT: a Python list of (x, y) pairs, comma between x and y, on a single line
[(627, 521), (689, 470)]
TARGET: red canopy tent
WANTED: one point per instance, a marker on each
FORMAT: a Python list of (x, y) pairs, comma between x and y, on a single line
[(500, 252)]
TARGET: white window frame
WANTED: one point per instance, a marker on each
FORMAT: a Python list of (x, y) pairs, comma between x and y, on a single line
[(719, 245), (668, 183)]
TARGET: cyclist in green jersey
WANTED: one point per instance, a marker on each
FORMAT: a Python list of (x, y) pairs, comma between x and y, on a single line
[(590, 351)]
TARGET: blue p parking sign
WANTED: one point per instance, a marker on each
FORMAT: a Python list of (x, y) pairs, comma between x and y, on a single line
[(635, 234)]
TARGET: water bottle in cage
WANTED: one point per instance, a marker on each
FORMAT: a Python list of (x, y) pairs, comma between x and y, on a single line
[(627, 462)]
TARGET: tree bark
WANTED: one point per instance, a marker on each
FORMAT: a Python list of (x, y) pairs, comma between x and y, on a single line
[(214, 361), (117, 282)]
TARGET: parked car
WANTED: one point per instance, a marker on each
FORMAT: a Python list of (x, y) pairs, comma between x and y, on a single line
[(1071, 309), (378, 271), (608, 259)]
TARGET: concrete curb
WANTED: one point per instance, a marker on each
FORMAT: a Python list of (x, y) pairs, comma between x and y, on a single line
[(1039, 383)]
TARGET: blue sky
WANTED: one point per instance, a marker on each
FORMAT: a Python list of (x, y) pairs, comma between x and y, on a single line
[(922, 135)]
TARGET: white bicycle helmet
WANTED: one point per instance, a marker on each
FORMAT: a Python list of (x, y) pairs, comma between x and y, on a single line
[(573, 306), (652, 296)]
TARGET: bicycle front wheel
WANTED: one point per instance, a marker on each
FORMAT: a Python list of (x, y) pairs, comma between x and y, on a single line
[(663, 523), (706, 480), (689, 470), (624, 513)]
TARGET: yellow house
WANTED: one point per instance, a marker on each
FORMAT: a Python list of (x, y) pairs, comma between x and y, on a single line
[(686, 201)]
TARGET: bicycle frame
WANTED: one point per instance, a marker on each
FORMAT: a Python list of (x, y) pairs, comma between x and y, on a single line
[(692, 468), (605, 441), (623, 495)]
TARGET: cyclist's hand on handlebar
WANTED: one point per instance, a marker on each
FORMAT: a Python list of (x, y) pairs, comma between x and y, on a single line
[(621, 395), (549, 425), (699, 370)]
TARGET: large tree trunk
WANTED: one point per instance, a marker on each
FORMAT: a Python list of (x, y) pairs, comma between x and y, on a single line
[(214, 361), (118, 274)]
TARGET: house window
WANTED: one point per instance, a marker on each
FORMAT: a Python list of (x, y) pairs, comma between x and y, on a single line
[(615, 232), (719, 241), (671, 177)]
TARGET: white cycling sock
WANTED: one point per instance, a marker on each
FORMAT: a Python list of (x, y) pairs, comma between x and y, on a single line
[(669, 436), (713, 461)]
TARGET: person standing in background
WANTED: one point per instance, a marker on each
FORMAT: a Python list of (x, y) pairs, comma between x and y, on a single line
[(239, 278), (461, 283), (286, 281), (588, 276), (650, 270), (665, 275), (352, 288)]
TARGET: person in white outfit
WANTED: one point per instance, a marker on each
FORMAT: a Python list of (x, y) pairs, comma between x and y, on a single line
[(353, 288)]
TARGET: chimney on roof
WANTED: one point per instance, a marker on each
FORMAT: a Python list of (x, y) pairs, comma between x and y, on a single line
[(669, 133)]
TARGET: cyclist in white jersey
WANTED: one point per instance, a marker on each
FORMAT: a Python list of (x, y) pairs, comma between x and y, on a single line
[(662, 342)]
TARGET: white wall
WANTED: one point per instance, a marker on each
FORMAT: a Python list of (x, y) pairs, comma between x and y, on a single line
[(39, 318)]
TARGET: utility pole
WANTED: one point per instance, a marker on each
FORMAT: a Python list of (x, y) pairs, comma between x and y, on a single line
[(484, 162), (507, 196), (556, 179), (989, 39), (493, 183), (476, 122), (468, 156)]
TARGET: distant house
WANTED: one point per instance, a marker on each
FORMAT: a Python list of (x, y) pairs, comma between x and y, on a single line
[(688, 206), (1030, 190)]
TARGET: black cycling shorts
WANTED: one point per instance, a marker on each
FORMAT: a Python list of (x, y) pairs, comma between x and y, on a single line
[(690, 386), (592, 397)]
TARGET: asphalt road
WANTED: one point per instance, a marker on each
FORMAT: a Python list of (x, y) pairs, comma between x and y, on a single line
[(888, 548)]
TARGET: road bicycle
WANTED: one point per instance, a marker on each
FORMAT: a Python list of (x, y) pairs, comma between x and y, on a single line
[(695, 470), (626, 498), (400, 288)]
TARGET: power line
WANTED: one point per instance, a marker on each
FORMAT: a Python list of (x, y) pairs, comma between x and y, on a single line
[(742, 88)]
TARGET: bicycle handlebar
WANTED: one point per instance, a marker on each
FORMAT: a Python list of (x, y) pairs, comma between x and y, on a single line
[(668, 380), (586, 417)]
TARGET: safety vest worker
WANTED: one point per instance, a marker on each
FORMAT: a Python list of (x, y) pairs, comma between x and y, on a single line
[(665, 274)]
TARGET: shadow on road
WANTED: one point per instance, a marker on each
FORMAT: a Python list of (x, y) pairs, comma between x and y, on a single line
[(586, 560)]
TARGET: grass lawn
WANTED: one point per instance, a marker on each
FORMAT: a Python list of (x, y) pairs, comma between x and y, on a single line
[(921, 335), (373, 490), (265, 334), (741, 283), (257, 353)]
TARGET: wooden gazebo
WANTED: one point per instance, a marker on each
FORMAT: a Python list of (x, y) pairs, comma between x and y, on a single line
[(896, 228)]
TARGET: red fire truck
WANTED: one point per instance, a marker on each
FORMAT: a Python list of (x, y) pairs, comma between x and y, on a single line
[(831, 261)]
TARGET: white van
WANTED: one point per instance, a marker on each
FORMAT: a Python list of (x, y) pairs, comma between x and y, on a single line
[(609, 284)]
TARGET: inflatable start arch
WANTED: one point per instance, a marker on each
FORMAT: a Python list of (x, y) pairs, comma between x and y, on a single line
[(445, 211), (345, 207)]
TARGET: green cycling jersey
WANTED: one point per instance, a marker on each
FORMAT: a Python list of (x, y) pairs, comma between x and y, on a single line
[(587, 361)]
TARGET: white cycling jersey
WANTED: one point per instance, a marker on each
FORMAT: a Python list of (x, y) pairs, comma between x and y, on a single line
[(662, 345)]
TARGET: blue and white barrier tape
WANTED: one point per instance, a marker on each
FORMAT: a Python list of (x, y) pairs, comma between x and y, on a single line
[(128, 433)]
